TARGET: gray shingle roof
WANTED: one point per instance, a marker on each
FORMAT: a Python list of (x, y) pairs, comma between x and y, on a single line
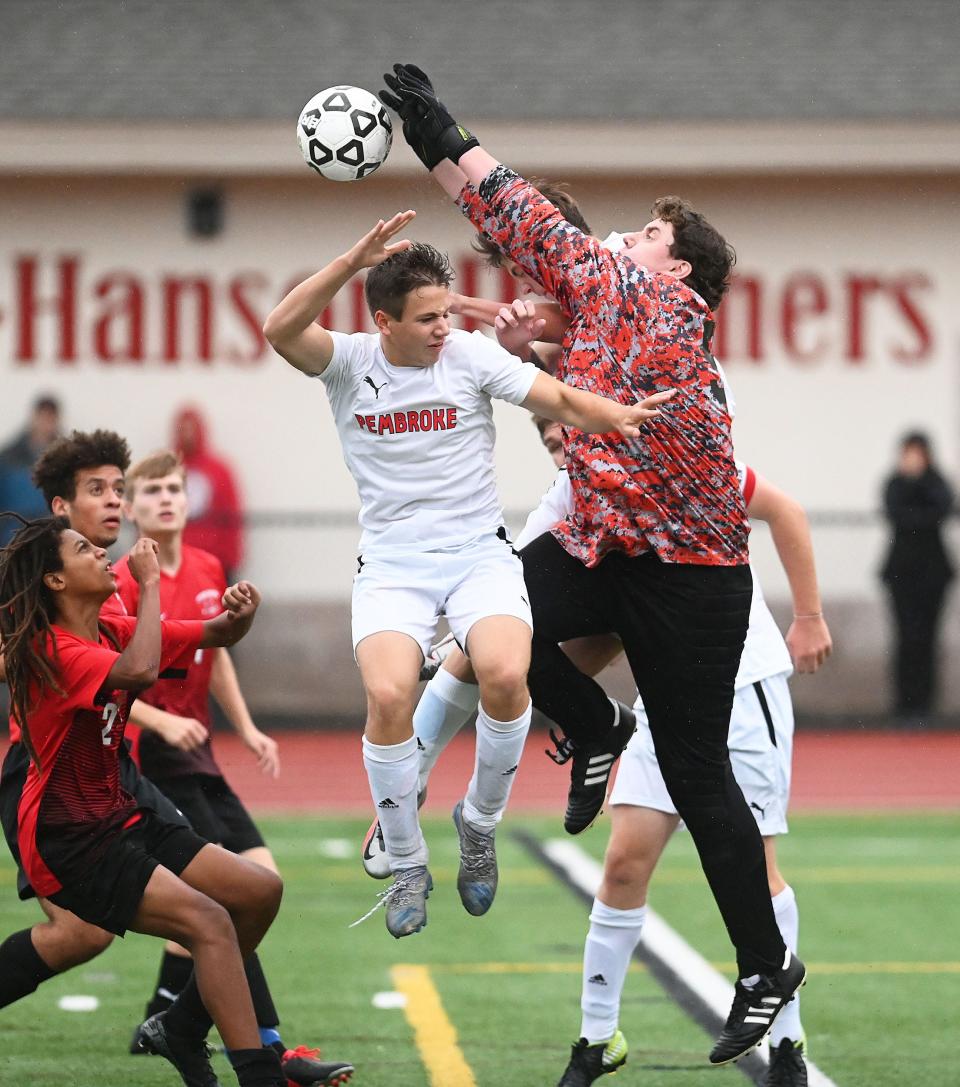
[(636, 60)]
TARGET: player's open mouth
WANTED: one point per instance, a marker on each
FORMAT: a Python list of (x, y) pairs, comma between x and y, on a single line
[(111, 522)]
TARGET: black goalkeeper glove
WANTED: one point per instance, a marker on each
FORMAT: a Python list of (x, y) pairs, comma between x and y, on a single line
[(428, 127)]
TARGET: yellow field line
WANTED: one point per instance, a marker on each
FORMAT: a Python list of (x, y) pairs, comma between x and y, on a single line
[(434, 1034), (813, 968)]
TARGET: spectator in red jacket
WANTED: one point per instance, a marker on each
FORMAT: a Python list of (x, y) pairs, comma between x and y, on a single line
[(216, 512)]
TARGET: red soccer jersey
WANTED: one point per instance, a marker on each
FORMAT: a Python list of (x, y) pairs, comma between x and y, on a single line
[(632, 333), (193, 592), (113, 605), (74, 803)]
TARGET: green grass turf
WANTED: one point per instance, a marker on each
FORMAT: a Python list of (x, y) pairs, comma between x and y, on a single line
[(873, 890)]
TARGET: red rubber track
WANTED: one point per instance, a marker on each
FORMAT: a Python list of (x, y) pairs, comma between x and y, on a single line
[(323, 771), (832, 771)]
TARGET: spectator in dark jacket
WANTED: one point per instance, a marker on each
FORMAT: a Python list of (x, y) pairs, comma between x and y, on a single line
[(917, 571), (17, 490)]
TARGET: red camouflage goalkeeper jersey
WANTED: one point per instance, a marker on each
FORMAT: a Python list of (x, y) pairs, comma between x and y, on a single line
[(673, 490)]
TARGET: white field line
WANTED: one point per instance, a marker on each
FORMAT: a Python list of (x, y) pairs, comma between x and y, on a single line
[(666, 944)]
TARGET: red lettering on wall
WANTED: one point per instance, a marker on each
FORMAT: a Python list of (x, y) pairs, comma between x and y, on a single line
[(902, 290), (173, 288), (118, 331), (240, 289), (804, 298), (859, 290), (740, 320), (29, 306), (468, 285)]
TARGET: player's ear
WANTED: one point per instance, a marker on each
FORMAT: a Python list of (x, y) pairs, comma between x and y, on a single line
[(55, 582), (59, 507), (681, 269), (382, 320)]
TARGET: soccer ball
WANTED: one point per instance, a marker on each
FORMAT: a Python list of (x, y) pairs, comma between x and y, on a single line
[(344, 133)]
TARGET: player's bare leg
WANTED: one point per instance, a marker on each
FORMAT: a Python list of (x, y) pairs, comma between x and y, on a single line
[(638, 837), (34, 955), (389, 665), (219, 909)]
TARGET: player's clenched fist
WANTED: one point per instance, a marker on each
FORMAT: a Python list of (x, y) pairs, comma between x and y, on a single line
[(144, 562), (241, 600)]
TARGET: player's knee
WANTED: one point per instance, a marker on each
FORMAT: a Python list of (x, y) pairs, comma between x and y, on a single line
[(266, 891), (206, 921), (387, 700), (502, 681), (625, 870), (77, 942)]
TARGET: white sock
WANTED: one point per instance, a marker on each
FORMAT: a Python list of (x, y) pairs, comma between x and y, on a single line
[(392, 773), (499, 747), (787, 1023), (444, 708), (606, 958)]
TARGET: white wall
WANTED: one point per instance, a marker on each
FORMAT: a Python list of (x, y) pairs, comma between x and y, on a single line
[(822, 426)]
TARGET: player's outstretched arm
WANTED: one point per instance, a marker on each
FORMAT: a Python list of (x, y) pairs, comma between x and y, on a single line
[(138, 666), (292, 328), (225, 688), (589, 413), (808, 638), (240, 603)]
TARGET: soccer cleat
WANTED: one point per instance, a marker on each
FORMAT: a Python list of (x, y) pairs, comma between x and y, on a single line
[(591, 770), (589, 1062), (303, 1069), (406, 901), (190, 1056), (477, 878), (787, 1067), (376, 863), (755, 1009)]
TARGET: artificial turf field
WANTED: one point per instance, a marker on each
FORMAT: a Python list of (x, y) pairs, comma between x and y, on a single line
[(495, 999)]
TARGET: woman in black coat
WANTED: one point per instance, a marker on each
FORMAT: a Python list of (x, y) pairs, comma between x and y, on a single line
[(917, 571)]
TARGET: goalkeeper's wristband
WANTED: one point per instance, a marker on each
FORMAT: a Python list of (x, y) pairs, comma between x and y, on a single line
[(453, 143)]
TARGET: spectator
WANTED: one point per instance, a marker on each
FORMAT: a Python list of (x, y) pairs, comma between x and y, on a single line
[(215, 514), (17, 490), (917, 500)]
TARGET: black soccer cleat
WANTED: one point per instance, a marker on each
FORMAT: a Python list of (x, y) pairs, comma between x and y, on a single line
[(755, 1009), (590, 1062), (303, 1068), (190, 1056), (590, 773), (787, 1067)]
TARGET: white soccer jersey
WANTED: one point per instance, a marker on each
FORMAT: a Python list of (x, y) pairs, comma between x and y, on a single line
[(765, 653), (418, 440)]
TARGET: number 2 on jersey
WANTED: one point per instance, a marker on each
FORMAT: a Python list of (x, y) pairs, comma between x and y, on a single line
[(110, 711)]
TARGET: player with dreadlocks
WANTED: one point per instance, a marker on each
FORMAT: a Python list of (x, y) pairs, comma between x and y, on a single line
[(85, 842)]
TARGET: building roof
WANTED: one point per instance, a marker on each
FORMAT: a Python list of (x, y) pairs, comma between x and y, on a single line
[(502, 60)]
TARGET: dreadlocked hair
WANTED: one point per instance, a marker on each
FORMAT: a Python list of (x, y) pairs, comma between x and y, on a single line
[(27, 613)]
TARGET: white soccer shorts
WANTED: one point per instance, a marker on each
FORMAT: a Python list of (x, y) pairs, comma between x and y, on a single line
[(762, 719), (408, 593)]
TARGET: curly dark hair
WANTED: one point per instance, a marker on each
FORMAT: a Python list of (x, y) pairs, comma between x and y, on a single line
[(389, 283), (55, 473), (27, 612), (558, 196), (702, 245)]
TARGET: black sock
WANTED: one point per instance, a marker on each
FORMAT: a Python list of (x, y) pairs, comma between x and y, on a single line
[(187, 1015), (175, 971), (257, 1067), (21, 968), (263, 1005)]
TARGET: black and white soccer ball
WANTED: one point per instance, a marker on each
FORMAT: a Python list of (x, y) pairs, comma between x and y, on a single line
[(344, 133)]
